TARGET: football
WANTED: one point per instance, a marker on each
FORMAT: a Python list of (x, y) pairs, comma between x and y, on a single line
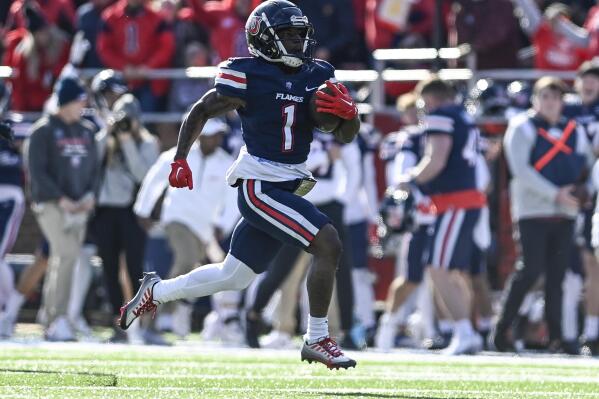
[(323, 120)]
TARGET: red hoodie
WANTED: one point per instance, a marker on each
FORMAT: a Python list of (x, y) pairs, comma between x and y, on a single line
[(52, 10), (141, 38), (227, 29), (29, 95)]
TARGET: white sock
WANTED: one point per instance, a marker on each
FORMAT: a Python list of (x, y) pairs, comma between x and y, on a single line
[(591, 323), (364, 296), (231, 274), (82, 277), (392, 318), (318, 328), (463, 328), (13, 305)]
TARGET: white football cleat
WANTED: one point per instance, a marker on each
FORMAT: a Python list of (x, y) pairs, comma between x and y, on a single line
[(277, 340), (60, 331), (212, 327), (327, 352), (464, 345), (7, 325), (80, 325), (142, 302)]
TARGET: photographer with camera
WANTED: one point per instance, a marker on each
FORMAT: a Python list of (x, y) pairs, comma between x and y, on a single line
[(127, 151)]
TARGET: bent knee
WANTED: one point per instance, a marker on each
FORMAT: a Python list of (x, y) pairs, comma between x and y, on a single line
[(326, 243), (238, 275)]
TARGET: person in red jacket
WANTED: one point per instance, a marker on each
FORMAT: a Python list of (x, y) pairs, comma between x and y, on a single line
[(133, 39), (555, 48), (57, 12), (37, 53), (226, 22)]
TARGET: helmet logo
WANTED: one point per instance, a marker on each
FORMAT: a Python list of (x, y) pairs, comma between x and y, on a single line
[(254, 26)]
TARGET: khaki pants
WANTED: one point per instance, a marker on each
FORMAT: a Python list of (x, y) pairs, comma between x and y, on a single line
[(187, 248), (284, 319), (65, 235), (188, 251)]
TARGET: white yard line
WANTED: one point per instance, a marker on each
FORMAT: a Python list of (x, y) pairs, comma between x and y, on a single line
[(203, 349), (483, 393)]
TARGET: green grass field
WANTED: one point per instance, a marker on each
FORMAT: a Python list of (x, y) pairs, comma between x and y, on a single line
[(200, 371)]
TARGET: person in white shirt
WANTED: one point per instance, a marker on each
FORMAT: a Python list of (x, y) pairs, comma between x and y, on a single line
[(193, 220), (358, 215)]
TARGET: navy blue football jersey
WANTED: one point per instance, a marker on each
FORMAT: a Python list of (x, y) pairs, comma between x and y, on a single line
[(459, 172), (412, 141), (276, 120), (11, 164)]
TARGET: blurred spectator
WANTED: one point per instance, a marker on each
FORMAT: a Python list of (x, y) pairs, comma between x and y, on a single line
[(192, 220), (226, 22), (413, 23), (63, 165), (406, 150), (127, 150), (185, 28), (133, 39), (360, 213), (334, 27), (12, 206), (591, 25), (38, 54), (89, 21), (338, 171), (548, 156), (60, 13), (491, 29), (556, 48), (185, 92)]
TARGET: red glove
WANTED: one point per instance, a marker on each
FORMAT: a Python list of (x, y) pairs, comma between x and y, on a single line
[(340, 103), (180, 174)]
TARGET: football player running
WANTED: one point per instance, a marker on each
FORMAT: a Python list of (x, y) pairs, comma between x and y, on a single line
[(446, 173), (271, 92)]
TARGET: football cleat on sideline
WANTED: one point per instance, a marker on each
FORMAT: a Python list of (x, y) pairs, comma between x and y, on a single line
[(142, 302), (327, 352)]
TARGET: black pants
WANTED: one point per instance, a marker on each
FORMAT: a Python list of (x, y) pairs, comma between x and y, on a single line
[(280, 268), (117, 231), (546, 246)]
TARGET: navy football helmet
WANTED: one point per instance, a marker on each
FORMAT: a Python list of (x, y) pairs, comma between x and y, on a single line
[(397, 210), (263, 26)]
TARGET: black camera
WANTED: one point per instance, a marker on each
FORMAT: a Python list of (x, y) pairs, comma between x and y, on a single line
[(122, 124)]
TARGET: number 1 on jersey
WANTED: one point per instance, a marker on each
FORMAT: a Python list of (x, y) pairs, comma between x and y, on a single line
[(288, 123)]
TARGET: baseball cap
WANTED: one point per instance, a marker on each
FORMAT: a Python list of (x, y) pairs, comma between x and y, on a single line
[(214, 126)]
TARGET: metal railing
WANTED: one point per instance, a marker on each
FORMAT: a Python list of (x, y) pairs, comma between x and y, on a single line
[(376, 78)]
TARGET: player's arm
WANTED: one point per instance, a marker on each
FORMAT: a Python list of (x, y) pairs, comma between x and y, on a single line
[(436, 153), (211, 105)]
